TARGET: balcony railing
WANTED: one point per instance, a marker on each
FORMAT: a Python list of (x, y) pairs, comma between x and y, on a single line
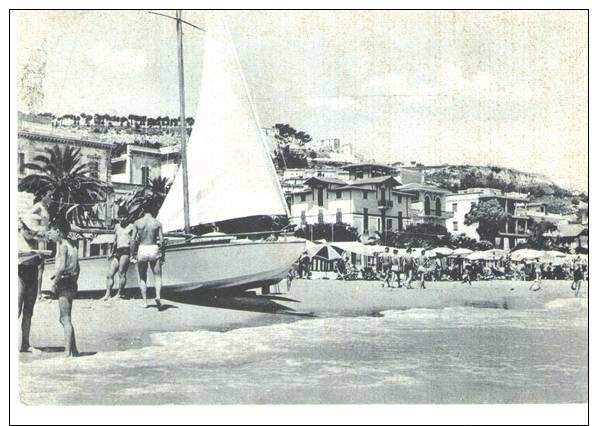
[(418, 214), (385, 204)]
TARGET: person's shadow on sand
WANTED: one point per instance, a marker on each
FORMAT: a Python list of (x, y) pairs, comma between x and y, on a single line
[(56, 349), (162, 307)]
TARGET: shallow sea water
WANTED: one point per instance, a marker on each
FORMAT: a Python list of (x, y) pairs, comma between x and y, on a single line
[(449, 355)]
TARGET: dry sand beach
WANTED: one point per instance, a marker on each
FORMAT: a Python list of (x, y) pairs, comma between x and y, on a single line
[(360, 333)]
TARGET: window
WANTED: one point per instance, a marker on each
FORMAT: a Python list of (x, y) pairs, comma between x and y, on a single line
[(339, 195), (320, 216), (320, 197), (399, 199), (455, 226), (21, 163), (93, 169), (302, 197), (144, 175), (359, 175), (427, 209), (366, 222), (383, 194), (389, 224), (378, 224), (400, 221), (454, 207), (365, 195), (303, 218), (339, 216), (438, 207)]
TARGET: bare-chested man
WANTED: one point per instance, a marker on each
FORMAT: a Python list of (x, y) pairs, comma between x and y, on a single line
[(124, 236), (41, 220), (65, 280), (150, 239)]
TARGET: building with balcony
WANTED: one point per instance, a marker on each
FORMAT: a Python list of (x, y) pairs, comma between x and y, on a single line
[(368, 204), (515, 229), (428, 205), (33, 141)]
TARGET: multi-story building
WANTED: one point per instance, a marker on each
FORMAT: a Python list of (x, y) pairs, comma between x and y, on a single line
[(515, 230), (32, 142), (368, 204), (138, 164), (428, 205)]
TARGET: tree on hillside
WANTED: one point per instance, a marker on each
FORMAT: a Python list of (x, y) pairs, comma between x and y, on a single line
[(490, 217)]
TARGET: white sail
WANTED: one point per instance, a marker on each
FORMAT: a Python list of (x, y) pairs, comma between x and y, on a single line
[(230, 171)]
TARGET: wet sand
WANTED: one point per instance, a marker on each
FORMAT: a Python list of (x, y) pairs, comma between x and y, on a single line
[(124, 324)]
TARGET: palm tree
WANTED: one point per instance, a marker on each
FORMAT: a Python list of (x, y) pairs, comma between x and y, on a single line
[(147, 199), (60, 174)]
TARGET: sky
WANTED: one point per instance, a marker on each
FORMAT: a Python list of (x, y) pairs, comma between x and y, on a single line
[(504, 88)]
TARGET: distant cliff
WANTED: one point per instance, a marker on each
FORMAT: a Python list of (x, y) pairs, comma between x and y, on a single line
[(540, 188)]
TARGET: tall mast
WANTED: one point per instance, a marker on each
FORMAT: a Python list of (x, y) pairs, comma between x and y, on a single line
[(179, 31)]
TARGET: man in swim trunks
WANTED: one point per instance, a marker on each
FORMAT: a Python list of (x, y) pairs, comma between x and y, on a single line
[(41, 218), (28, 272), (149, 239), (408, 267), (577, 276), (422, 268), (396, 267), (386, 258), (65, 280), (124, 234)]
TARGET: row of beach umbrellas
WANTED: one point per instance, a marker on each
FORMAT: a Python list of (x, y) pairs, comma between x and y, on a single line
[(331, 251)]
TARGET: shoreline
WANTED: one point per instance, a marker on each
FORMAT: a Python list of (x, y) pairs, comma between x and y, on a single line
[(119, 325)]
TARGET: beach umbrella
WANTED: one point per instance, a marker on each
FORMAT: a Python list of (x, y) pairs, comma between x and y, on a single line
[(441, 251), (353, 247), (525, 254), (477, 255), (493, 254), (327, 252), (553, 256), (375, 249), (461, 252)]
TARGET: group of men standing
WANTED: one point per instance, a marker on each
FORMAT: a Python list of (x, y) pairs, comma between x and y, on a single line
[(412, 267), (140, 242)]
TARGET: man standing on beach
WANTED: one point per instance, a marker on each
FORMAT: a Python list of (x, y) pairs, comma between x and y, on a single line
[(467, 272), (386, 265), (150, 239), (537, 273), (422, 263), (28, 273), (124, 235), (396, 267), (408, 267), (41, 218), (65, 279)]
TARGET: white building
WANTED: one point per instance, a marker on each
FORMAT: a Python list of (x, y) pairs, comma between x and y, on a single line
[(368, 204), (515, 230)]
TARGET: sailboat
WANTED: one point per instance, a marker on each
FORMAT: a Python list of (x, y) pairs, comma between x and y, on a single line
[(226, 173)]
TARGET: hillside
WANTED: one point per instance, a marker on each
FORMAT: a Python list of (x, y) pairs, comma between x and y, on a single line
[(539, 187)]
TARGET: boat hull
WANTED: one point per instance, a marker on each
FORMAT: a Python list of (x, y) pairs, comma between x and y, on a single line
[(197, 267)]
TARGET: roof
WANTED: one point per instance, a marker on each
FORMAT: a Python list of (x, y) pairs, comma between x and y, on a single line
[(422, 187), (571, 230), (345, 187), (322, 179), (375, 180), (363, 165)]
